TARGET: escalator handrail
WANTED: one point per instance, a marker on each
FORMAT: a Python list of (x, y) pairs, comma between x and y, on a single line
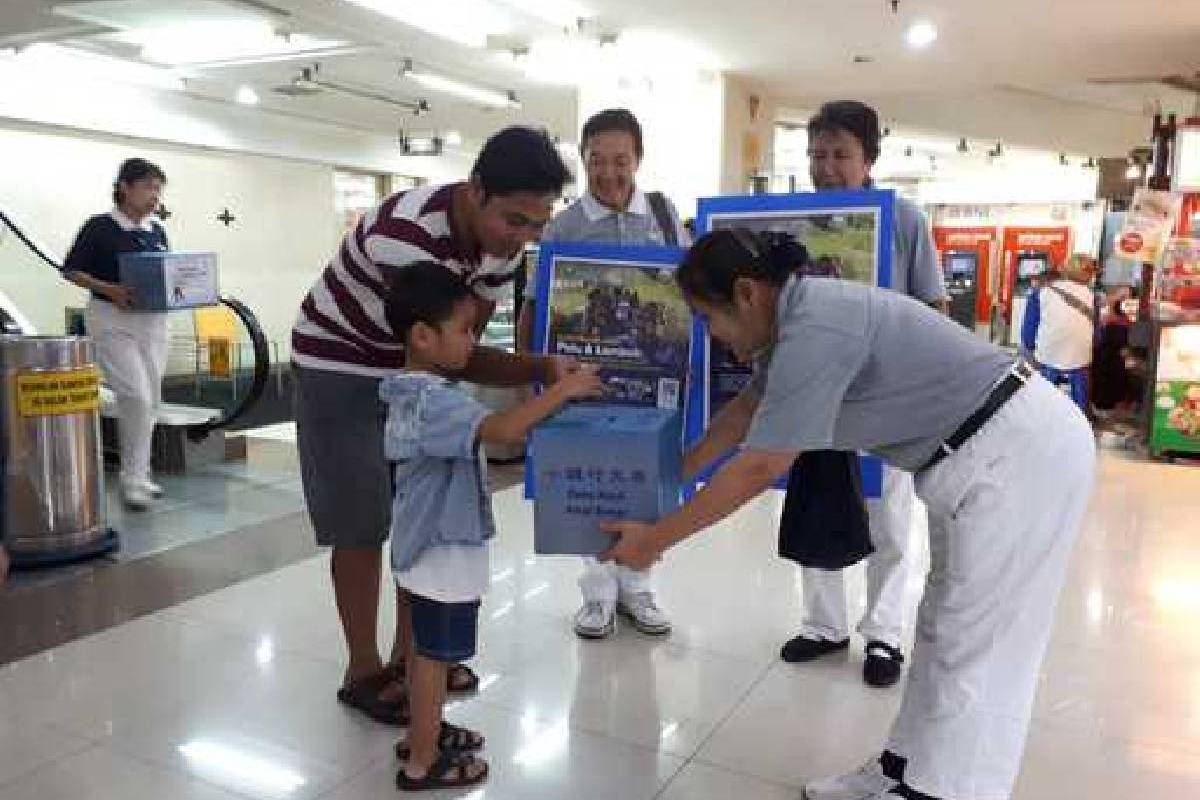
[(262, 351)]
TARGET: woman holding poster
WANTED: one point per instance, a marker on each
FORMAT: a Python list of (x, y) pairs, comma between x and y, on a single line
[(615, 211)]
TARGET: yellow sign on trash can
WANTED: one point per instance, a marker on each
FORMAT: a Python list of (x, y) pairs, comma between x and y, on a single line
[(57, 392)]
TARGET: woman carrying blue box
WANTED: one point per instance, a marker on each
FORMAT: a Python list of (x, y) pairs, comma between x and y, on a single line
[(1004, 462), (131, 346)]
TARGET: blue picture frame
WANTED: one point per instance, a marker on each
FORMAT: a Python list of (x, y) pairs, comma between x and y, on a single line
[(630, 256), (712, 211)]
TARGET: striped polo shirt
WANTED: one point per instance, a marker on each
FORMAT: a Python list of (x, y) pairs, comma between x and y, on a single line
[(342, 326)]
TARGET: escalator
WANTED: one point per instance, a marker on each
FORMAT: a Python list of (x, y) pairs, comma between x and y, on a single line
[(13, 322), (52, 498)]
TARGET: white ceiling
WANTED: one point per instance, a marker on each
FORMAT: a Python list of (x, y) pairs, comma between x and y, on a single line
[(1013, 69)]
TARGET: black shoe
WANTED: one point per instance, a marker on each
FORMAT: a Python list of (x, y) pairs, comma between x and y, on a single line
[(908, 793), (884, 665), (804, 649)]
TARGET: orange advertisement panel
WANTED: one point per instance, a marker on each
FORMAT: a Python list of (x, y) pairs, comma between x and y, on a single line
[(978, 239)]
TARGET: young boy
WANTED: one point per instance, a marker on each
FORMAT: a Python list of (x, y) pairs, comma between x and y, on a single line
[(441, 512)]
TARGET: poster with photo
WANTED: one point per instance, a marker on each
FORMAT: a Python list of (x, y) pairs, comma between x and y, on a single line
[(847, 234), (618, 308), (844, 233)]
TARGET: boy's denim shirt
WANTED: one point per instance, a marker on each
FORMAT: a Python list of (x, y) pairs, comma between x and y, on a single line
[(441, 495)]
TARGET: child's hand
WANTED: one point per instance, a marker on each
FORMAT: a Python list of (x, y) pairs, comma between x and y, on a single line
[(583, 383)]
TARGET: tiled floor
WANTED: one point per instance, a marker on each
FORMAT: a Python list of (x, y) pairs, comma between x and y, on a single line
[(229, 695)]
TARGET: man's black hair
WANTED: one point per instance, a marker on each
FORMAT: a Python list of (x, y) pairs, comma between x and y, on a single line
[(422, 292), (610, 120), (520, 159), (855, 118), (134, 169)]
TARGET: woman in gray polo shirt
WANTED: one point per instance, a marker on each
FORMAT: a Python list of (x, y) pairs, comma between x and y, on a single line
[(1004, 462)]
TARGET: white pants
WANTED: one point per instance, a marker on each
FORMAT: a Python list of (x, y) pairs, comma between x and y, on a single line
[(1004, 512), (131, 347), (824, 590), (605, 582)]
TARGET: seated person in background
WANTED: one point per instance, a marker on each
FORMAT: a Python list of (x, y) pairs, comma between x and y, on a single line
[(1060, 327), (441, 512)]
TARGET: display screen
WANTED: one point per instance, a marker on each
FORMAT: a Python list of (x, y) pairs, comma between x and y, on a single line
[(1030, 267), (960, 267)]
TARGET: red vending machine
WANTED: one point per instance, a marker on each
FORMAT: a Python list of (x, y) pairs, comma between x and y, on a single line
[(966, 256)]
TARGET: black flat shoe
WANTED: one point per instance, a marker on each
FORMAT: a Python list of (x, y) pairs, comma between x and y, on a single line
[(802, 649), (884, 665)]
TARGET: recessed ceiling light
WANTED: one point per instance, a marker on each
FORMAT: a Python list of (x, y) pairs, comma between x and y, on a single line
[(247, 96), (921, 34)]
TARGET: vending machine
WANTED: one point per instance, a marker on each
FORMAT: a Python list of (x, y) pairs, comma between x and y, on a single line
[(967, 255), (961, 269)]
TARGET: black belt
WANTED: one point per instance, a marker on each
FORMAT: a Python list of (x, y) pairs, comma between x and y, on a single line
[(1017, 377)]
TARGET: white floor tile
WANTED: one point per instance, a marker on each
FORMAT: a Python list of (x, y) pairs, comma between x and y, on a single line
[(103, 774), (234, 692), (537, 758), (699, 781)]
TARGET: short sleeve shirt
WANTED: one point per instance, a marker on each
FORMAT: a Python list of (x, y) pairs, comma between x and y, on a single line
[(915, 268), (342, 326), (861, 368), (586, 220), (99, 244)]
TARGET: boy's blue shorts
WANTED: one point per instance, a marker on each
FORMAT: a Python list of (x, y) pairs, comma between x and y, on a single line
[(444, 631)]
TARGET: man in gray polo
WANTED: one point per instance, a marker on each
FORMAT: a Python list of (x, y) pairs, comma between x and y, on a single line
[(613, 210), (843, 145)]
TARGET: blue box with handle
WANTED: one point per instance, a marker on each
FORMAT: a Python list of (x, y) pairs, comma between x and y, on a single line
[(166, 281)]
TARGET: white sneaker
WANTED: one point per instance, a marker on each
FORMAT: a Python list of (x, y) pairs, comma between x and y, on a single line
[(866, 783), (645, 614), (152, 488), (596, 620), (135, 497)]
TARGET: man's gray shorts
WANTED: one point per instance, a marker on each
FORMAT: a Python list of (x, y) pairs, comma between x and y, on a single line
[(347, 480)]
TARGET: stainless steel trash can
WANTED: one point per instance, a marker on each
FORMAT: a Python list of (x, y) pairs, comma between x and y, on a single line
[(53, 478)]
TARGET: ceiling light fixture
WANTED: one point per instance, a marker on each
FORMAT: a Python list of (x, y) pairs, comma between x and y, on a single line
[(562, 13), (963, 147), (420, 145), (216, 42), (247, 96), (468, 22), (475, 94), (921, 34), (52, 61)]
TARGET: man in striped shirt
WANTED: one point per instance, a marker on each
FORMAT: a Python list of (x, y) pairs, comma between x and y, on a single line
[(342, 346)]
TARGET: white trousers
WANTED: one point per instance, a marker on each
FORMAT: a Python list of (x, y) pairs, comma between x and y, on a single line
[(131, 348), (824, 591), (606, 582), (1004, 512)]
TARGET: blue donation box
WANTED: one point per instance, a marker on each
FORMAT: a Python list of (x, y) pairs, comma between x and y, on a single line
[(165, 281), (603, 462)]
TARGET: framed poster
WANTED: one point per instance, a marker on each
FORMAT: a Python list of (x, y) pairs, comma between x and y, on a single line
[(619, 307), (847, 235)]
